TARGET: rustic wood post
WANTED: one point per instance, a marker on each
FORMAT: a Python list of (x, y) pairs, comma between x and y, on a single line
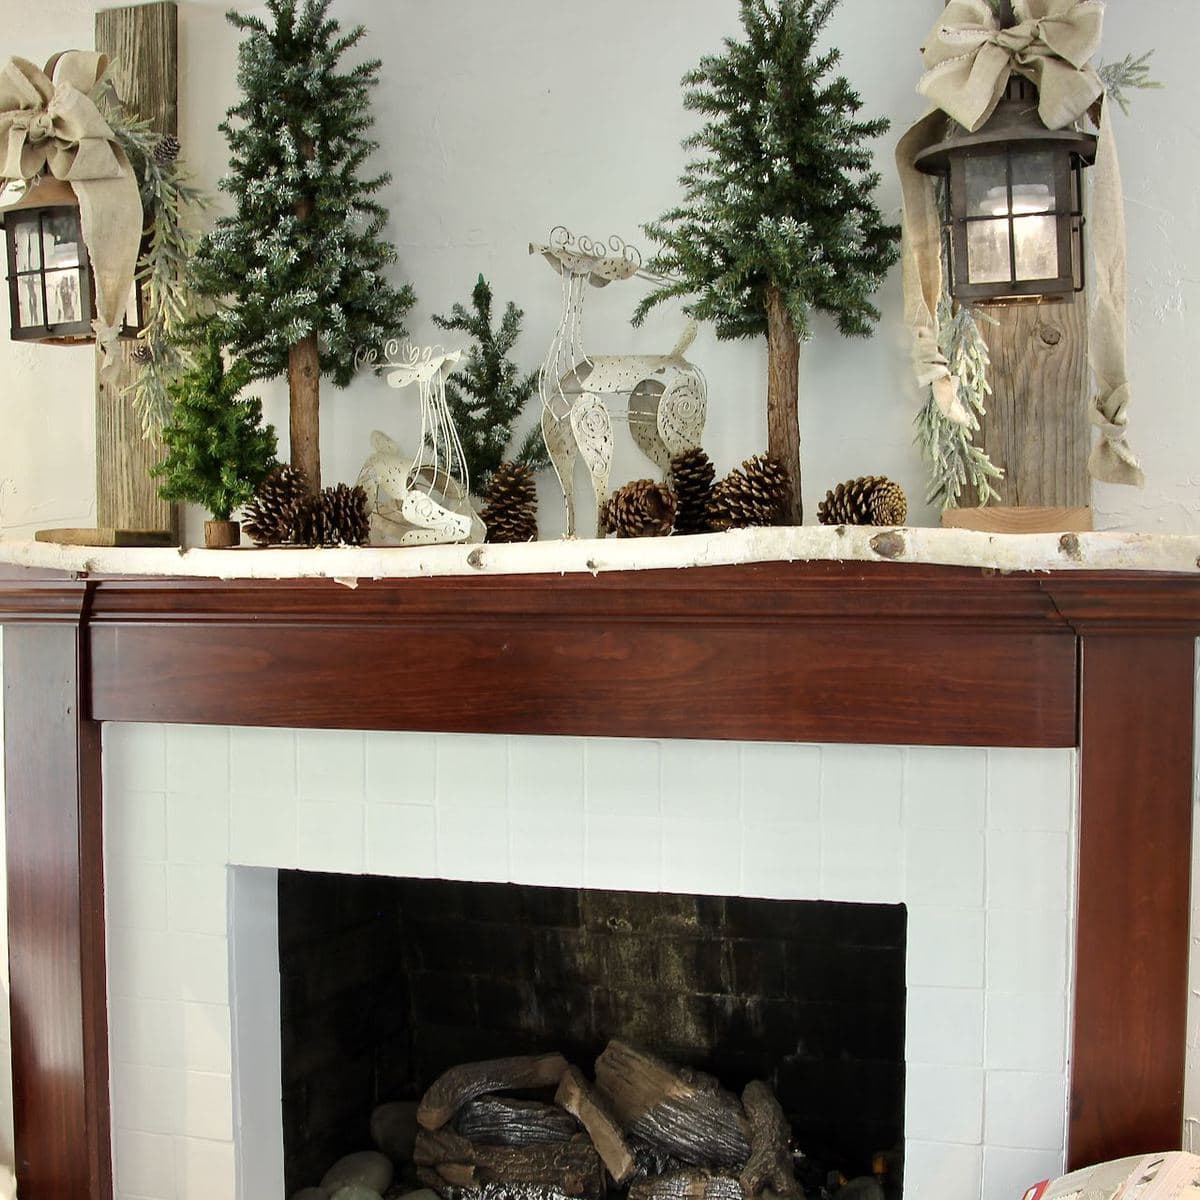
[(783, 399), (142, 42)]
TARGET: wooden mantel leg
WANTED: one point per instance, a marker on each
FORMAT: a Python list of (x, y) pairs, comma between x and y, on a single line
[(55, 918), (1135, 856)]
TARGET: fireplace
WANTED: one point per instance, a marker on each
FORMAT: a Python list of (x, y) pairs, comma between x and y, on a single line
[(387, 983), (844, 653)]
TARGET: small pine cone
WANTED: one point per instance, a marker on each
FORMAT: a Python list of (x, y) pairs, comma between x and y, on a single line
[(142, 354), (639, 509), (337, 517), (510, 513), (270, 518), (752, 497), (167, 150), (692, 475), (869, 500), (313, 525)]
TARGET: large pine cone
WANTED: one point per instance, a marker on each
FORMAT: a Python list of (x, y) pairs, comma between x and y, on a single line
[(336, 517), (869, 500), (510, 513), (754, 496), (270, 518), (692, 475), (643, 508)]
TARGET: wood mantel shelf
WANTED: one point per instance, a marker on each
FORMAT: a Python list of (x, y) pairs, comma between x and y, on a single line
[(867, 651)]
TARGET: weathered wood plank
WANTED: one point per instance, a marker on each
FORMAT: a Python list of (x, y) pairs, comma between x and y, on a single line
[(142, 42), (1037, 427)]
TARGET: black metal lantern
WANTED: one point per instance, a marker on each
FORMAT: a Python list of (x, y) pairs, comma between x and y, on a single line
[(51, 290), (1015, 203)]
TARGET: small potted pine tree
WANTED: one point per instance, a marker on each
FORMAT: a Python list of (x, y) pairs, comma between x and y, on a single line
[(218, 450)]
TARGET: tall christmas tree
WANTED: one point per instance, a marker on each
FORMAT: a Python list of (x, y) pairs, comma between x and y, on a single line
[(218, 450), (301, 260), (778, 219), (489, 393)]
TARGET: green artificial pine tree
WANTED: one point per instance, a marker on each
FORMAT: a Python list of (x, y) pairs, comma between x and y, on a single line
[(302, 258), (489, 393), (778, 219), (218, 450)]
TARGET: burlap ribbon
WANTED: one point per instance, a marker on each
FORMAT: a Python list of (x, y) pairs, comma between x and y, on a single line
[(49, 124), (969, 61)]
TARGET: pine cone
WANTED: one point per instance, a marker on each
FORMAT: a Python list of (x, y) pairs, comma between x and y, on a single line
[(510, 513), (754, 496), (270, 518), (639, 509), (167, 150), (336, 517), (870, 500), (692, 475), (142, 354)]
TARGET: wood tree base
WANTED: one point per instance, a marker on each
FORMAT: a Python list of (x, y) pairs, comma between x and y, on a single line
[(1000, 518)]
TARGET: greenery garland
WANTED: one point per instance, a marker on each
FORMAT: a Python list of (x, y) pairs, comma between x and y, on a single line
[(168, 200), (953, 459)]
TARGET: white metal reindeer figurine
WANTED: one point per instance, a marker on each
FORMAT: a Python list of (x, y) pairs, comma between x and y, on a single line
[(425, 499), (666, 398)]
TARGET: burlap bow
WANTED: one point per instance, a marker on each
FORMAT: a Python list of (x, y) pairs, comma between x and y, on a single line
[(49, 124), (970, 60)]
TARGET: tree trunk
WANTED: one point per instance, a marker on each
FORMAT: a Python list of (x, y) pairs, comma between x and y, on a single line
[(783, 399), (304, 397)]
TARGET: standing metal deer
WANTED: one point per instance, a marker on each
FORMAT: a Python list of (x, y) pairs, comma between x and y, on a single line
[(665, 398)]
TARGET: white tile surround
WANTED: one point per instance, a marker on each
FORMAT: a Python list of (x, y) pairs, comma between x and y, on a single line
[(978, 844)]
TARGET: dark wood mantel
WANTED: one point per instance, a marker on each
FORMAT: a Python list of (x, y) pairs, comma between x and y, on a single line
[(872, 653)]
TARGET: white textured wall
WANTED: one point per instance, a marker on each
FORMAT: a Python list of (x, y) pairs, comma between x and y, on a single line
[(501, 120), (978, 845)]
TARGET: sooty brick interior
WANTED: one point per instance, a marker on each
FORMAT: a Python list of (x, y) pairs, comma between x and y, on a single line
[(387, 982)]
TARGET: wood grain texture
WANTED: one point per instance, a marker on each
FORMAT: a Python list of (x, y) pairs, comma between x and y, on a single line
[(1036, 427), (785, 652), (55, 918), (1134, 876), (1000, 518), (142, 42)]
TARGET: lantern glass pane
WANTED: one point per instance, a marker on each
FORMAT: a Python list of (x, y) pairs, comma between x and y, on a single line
[(29, 301), (61, 235), (1034, 173), (63, 301), (987, 185), (28, 245), (988, 257), (1036, 240)]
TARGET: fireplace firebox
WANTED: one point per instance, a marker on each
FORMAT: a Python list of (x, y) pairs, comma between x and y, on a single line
[(386, 983)]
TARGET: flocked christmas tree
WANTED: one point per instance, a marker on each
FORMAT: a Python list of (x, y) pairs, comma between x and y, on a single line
[(489, 393), (778, 219), (301, 260), (218, 450)]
